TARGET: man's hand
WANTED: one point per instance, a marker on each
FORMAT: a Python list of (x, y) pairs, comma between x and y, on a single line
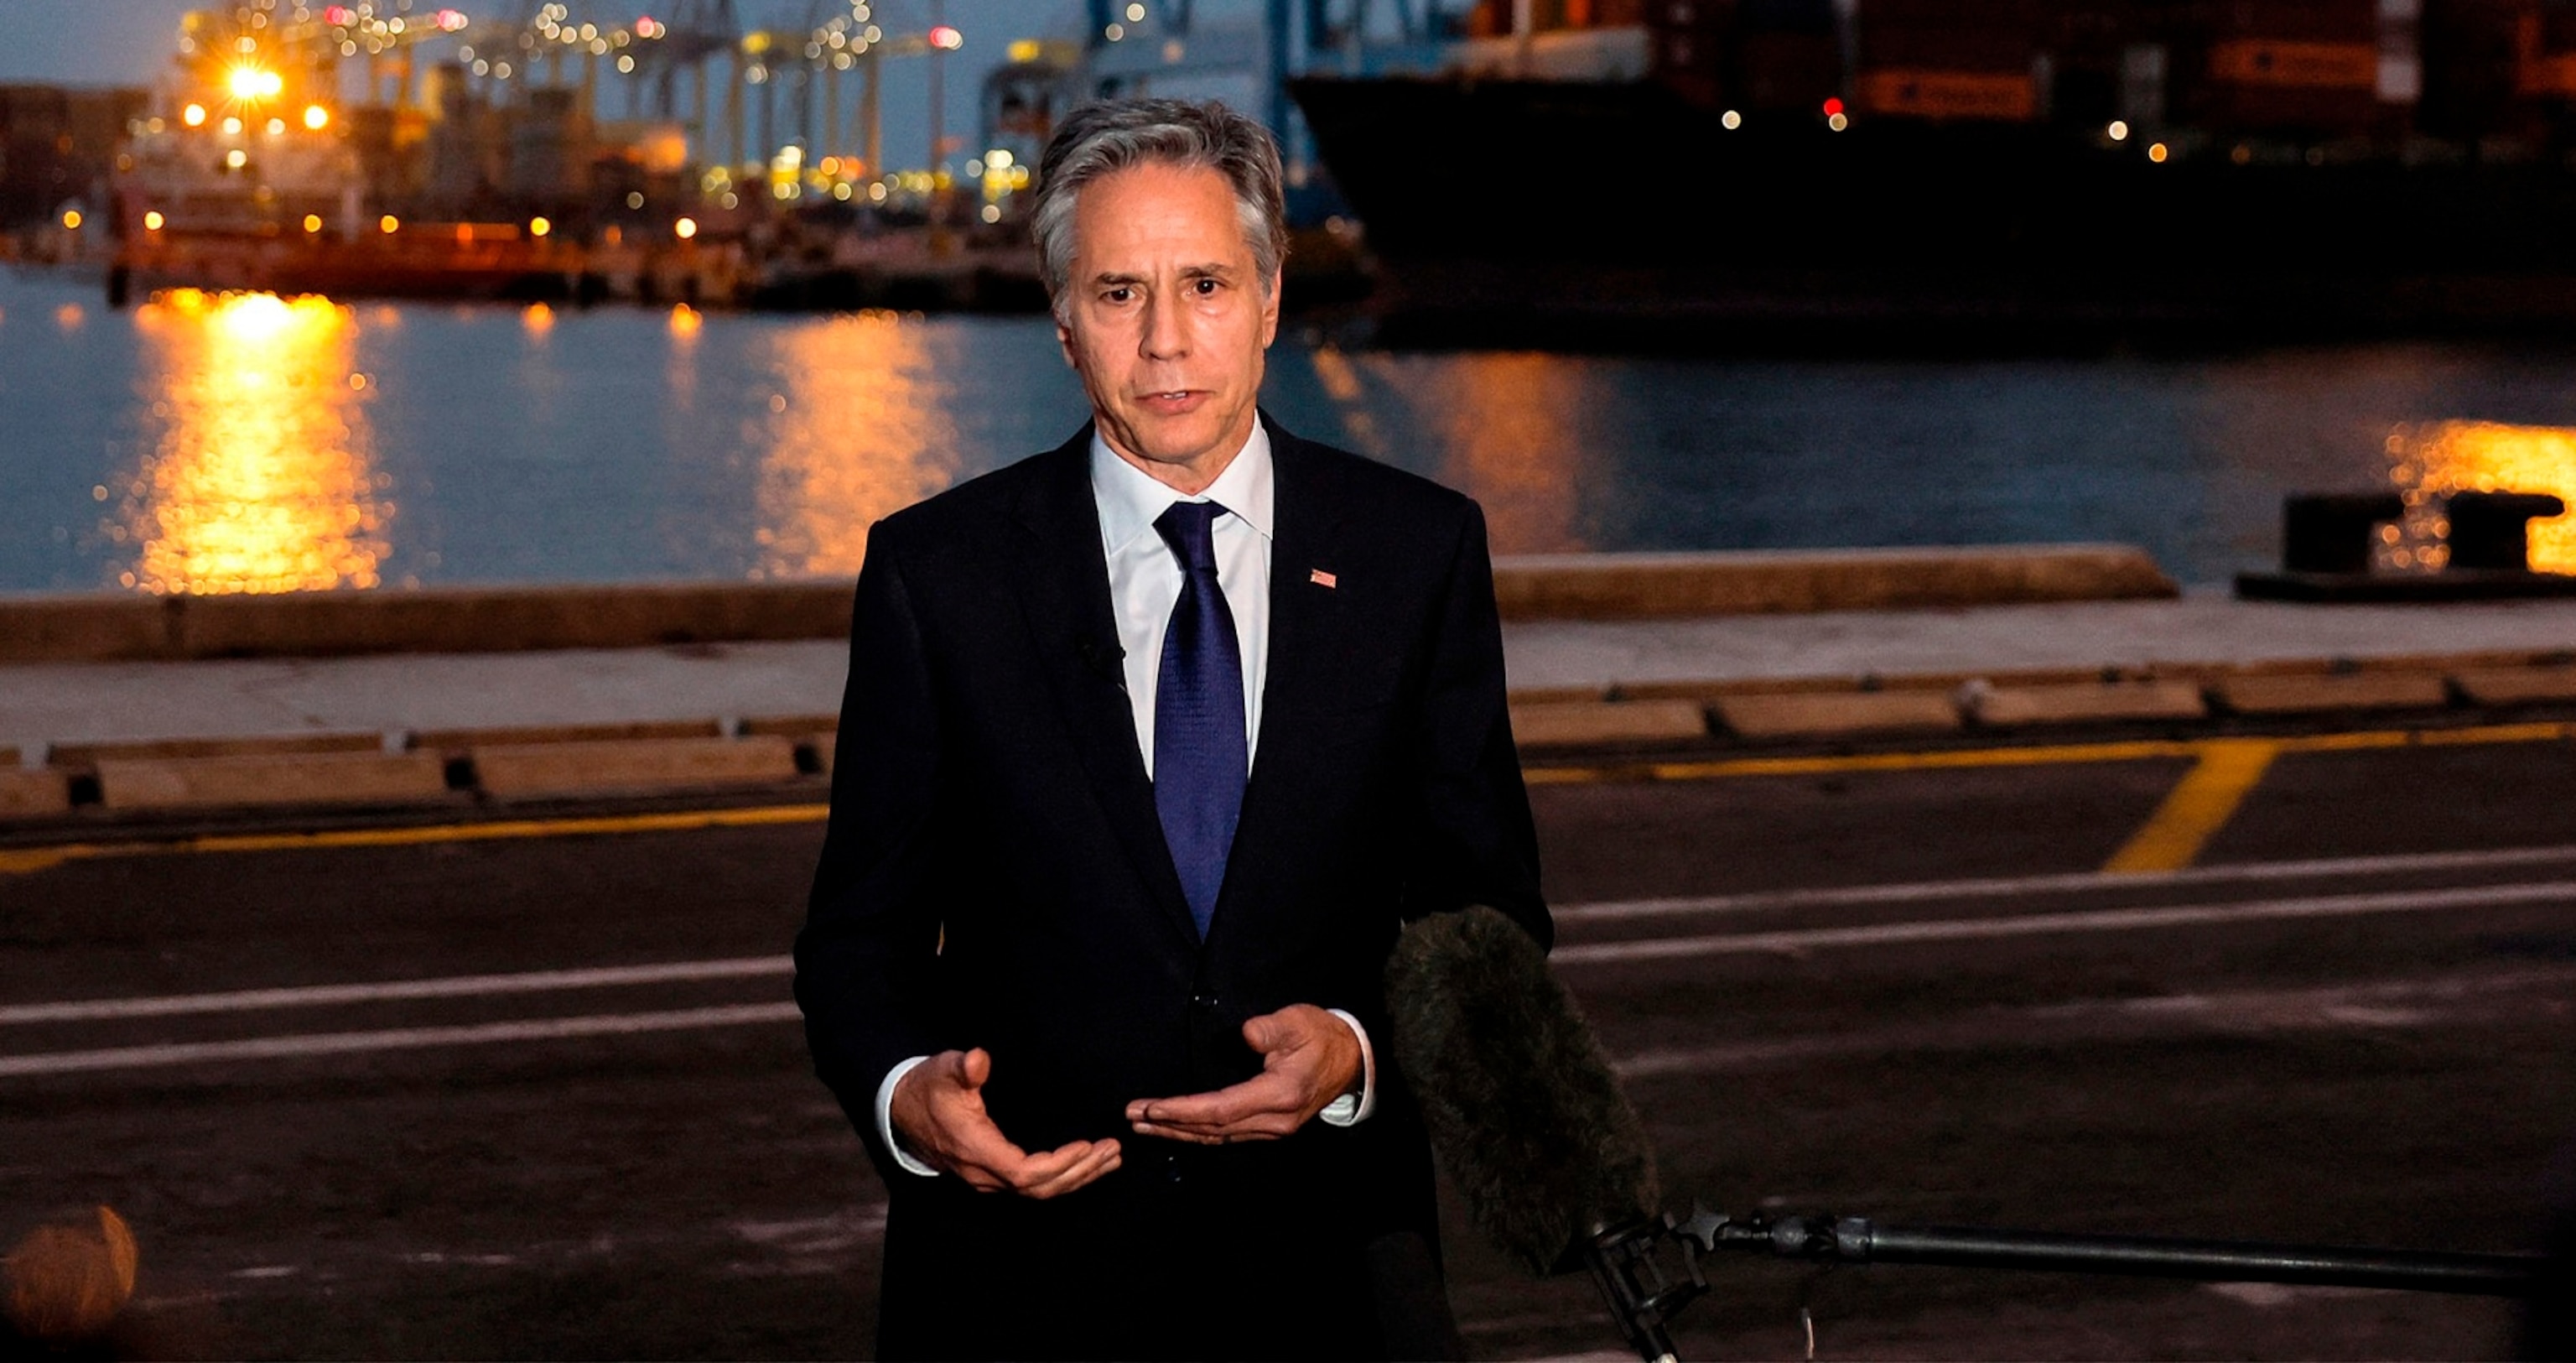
[(1308, 1058), (938, 1114)]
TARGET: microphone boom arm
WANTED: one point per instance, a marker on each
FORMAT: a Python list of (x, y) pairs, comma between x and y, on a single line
[(1627, 1263)]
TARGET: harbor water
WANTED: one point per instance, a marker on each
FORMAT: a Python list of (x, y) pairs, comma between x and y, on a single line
[(247, 443)]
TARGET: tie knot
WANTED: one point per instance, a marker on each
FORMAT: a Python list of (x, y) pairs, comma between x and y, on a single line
[(1189, 527)]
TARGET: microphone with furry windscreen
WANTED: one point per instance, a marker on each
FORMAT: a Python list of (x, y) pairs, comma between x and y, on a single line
[(1523, 1110), (1527, 1117)]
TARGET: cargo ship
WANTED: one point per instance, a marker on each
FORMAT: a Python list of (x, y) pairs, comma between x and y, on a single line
[(1754, 172)]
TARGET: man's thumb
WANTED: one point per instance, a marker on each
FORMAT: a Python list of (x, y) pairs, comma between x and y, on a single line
[(1267, 1033), (974, 1067)]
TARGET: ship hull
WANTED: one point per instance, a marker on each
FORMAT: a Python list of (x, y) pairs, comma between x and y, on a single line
[(1569, 212)]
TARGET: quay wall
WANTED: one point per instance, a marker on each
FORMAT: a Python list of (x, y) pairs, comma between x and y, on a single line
[(105, 627)]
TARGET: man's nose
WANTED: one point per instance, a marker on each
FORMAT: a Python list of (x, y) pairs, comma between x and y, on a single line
[(1166, 330)]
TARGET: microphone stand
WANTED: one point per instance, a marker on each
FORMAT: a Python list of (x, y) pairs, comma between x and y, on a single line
[(1627, 1264)]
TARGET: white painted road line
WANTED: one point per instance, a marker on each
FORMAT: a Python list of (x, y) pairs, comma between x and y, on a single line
[(452, 987), (2388, 1005), (625, 1024), (401, 1039), (2039, 924), (2073, 882), (752, 967)]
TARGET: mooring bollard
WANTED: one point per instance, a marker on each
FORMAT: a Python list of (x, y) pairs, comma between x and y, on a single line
[(2329, 542), (2491, 531), (2334, 532)]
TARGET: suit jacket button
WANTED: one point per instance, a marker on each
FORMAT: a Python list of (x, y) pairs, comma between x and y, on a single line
[(1172, 1167), (1203, 1001)]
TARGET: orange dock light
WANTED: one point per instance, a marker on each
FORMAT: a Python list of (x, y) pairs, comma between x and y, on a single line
[(539, 226), (389, 224), (71, 219), (685, 228), (250, 82), (312, 222), (194, 115), (316, 117), (153, 221)]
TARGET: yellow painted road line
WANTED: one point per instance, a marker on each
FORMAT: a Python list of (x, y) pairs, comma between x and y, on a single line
[(26, 860), (1938, 760), (2038, 755), (2198, 806)]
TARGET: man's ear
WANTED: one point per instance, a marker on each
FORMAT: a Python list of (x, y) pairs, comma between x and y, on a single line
[(1270, 310), (1064, 340)]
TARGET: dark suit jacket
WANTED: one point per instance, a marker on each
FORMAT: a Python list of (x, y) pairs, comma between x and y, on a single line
[(995, 875)]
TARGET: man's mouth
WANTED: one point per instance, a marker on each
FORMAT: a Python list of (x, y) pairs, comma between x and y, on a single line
[(1175, 401)]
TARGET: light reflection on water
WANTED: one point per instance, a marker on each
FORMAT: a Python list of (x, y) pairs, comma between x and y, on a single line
[(258, 474), (1506, 432), (859, 428), (564, 444)]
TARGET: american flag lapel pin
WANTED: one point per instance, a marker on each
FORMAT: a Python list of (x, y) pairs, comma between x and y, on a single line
[(1321, 578)]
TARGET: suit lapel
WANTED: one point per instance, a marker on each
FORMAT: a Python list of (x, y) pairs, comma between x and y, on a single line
[(1308, 504), (1063, 585)]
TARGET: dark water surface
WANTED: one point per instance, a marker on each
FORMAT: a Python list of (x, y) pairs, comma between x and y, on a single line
[(213, 444)]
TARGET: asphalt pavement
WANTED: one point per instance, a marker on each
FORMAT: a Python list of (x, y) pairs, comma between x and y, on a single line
[(531, 1087)]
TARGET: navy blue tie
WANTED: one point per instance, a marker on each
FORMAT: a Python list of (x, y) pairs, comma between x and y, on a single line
[(1201, 753)]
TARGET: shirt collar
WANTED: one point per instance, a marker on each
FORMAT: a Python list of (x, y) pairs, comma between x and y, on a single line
[(1131, 500)]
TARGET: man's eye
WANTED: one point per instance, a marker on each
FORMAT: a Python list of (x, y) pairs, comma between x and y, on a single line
[(1119, 295), (1207, 288)]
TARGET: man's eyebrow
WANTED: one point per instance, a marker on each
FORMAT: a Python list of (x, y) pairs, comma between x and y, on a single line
[(1213, 269)]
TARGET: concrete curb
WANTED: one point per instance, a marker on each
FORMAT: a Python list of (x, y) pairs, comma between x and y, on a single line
[(91, 753), (2515, 685), (2100, 702), (1847, 714), (34, 794), (1597, 723), (1651, 586), (794, 752), (555, 770), (464, 742), (98, 627), (271, 779), (101, 628), (2279, 695)]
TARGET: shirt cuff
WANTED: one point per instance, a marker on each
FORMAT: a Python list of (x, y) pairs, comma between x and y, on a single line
[(885, 1115), (1350, 1109)]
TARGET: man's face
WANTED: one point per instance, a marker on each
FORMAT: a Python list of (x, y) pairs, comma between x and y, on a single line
[(1166, 318)]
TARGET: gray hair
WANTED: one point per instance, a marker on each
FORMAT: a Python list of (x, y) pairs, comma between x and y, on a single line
[(1112, 135)]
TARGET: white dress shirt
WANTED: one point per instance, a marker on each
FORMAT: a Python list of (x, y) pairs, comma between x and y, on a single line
[(1145, 579)]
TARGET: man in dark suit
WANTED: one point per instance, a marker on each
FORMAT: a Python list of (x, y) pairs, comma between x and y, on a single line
[(1150, 745)]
